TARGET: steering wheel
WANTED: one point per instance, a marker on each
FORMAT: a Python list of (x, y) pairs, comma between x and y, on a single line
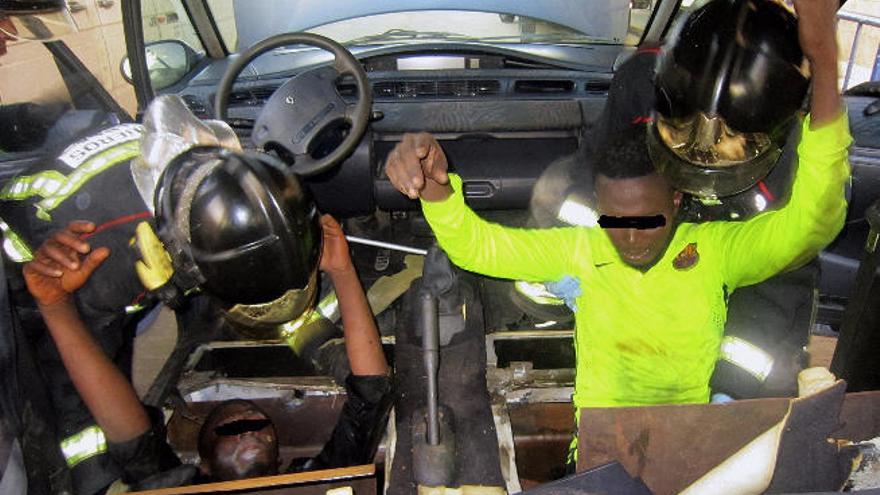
[(307, 105)]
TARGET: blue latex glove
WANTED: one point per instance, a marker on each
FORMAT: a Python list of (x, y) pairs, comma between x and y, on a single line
[(567, 288)]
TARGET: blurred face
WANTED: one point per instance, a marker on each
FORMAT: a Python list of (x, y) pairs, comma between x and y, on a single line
[(634, 199), (245, 443), (7, 30)]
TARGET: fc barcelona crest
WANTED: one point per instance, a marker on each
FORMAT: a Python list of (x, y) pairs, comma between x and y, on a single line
[(687, 258)]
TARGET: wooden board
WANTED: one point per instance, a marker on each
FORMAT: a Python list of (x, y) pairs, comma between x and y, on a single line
[(361, 479)]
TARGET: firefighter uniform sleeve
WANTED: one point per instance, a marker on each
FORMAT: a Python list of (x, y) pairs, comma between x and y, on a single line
[(783, 239), (144, 457), (491, 249), (360, 426)]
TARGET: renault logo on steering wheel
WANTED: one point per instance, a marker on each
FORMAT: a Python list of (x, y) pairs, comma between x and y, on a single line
[(289, 100)]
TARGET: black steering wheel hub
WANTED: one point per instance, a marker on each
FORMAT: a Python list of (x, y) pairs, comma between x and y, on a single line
[(296, 121)]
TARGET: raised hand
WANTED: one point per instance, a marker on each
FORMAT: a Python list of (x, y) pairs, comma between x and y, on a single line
[(817, 31), (417, 166), (335, 256), (63, 264)]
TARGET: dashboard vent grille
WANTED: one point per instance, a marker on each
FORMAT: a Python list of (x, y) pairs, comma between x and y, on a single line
[(252, 96), (196, 105), (597, 86), (457, 88), (544, 86)]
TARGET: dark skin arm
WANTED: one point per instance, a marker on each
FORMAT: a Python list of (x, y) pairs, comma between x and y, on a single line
[(362, 342), (60, 267), (817, 30), (64, 263), (417, 167)]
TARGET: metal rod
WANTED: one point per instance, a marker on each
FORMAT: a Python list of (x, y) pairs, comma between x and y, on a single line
[(431, 352), (386, 245), (852, 55)]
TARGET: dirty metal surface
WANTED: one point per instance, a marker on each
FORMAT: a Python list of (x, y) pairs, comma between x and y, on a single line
[(542, 433), (303, 424), (692, 438), (806, 461), (860, 417)]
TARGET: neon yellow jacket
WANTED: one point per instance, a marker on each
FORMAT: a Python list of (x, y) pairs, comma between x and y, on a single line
[(653, 337)]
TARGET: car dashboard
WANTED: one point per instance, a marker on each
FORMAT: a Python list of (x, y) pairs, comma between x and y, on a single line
[(502, 121)]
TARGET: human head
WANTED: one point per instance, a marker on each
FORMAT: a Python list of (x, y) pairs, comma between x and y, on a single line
[(238, 440), (37, 20), (242, 229), (627, 186), (728, 84)]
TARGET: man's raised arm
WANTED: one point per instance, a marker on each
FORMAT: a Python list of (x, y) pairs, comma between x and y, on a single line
[(783, 239), (417, 167)]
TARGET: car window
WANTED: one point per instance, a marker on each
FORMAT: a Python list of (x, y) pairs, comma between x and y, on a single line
[(242, 24), (858, 34), (167, 20), (43, 105), (29, 73)]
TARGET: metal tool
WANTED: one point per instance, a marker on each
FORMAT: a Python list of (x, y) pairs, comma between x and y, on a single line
[(386, 245), (431, 353)]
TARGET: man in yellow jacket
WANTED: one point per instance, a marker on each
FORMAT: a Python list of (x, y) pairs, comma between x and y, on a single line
[(651, 314)]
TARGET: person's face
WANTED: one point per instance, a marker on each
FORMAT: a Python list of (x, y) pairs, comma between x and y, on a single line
[(7, 30), (245, 444), (646, 196)]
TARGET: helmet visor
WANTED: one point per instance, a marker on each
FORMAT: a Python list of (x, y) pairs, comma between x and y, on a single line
[(709, 142), (261, 321), (46, 25)]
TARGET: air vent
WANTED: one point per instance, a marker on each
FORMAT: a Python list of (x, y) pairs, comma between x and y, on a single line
[(252, 96), (196, 105), (458, 88), (544, 86), (597, 86), (346, 89)]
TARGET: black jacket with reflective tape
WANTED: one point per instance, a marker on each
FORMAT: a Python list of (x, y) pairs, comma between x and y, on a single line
[(88, 180)]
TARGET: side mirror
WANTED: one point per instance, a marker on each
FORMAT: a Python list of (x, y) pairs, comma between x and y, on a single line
[(168, 62)]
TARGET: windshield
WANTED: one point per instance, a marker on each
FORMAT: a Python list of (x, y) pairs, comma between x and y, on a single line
[(578, 23)]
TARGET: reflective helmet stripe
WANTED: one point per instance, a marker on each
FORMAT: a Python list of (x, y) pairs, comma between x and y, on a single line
[(329, 306), (17, 250), (747, 356), (83, 445)]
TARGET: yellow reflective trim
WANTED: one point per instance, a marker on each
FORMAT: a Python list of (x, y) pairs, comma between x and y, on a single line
[(14, 246), (134, 308), (43, 184), (747, 356), (85, 172), (83, 445)]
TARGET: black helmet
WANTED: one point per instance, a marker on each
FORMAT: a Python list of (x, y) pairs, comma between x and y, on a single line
[(728, 86), (241, 228), (42, 20)]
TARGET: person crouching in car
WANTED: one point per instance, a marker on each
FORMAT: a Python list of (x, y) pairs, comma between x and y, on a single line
[(238, 440)]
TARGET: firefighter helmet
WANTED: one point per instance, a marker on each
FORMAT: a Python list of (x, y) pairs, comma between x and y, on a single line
[(728, 86), (243, 229)]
